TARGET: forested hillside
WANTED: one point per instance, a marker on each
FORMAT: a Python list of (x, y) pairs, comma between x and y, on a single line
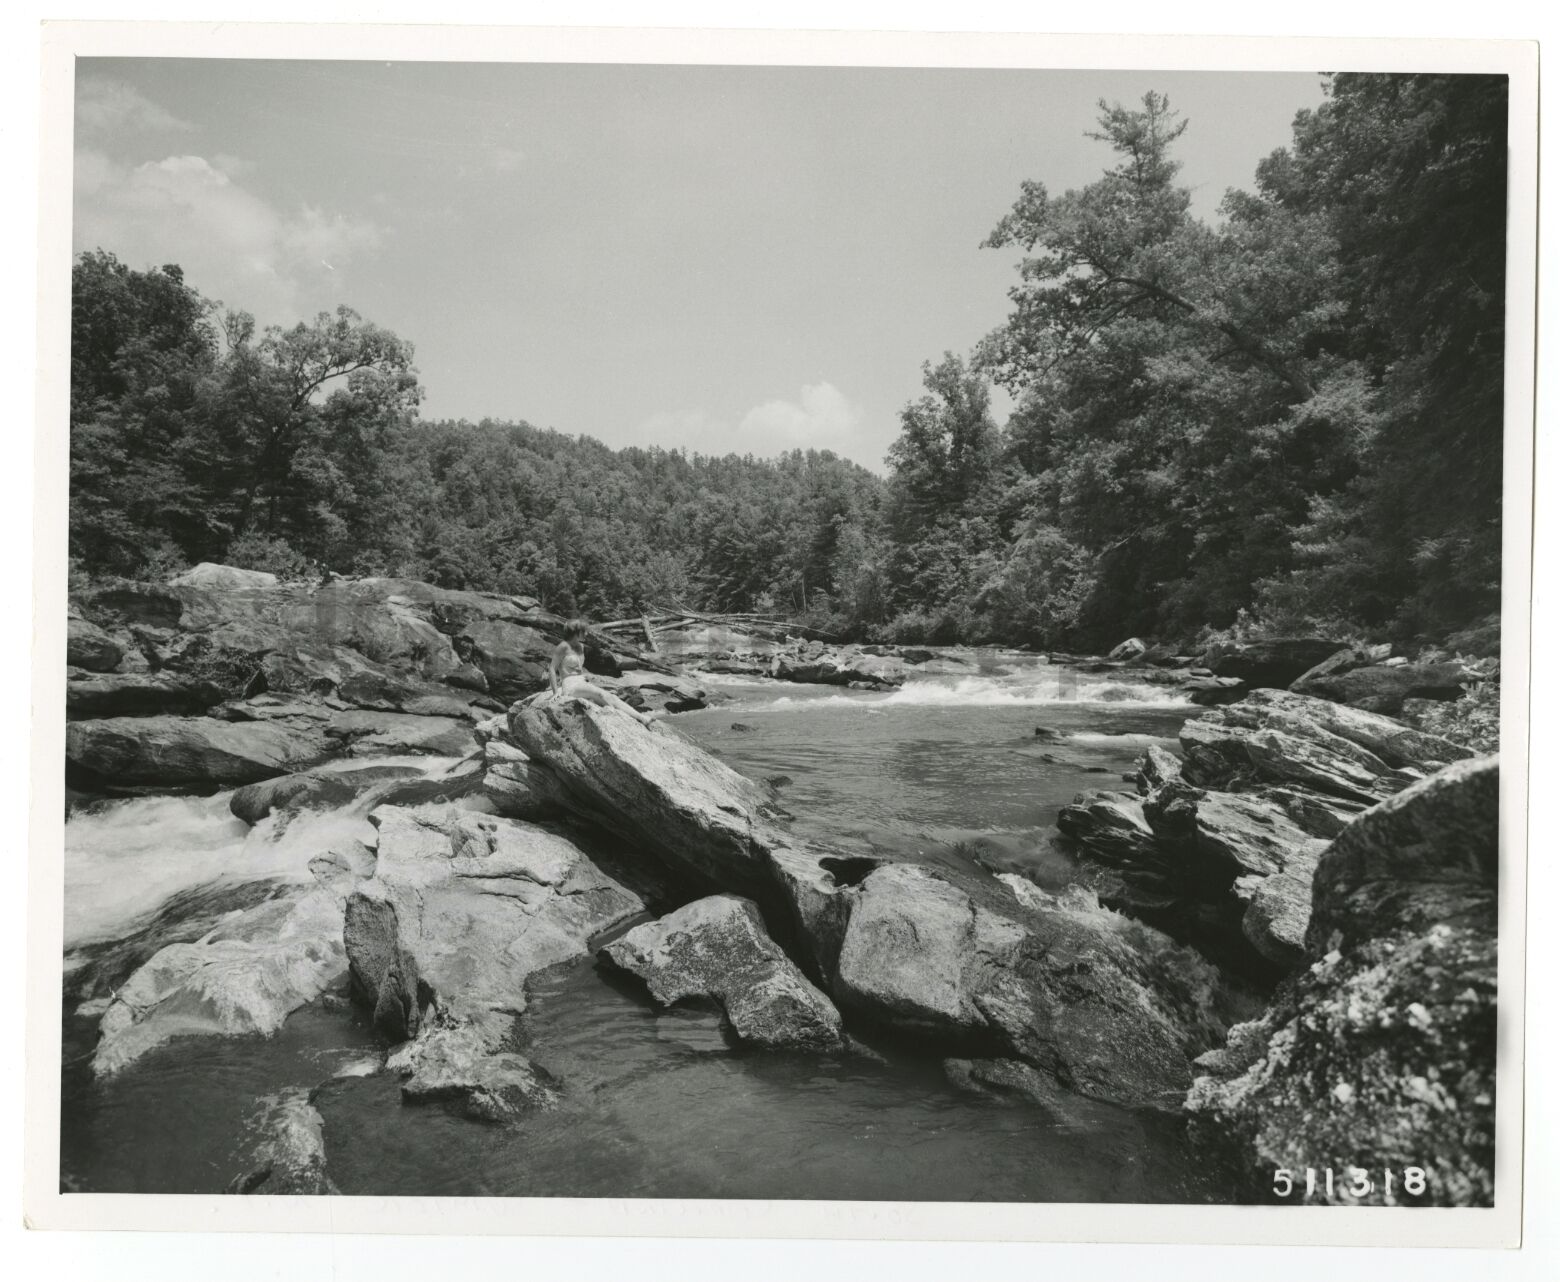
[(1289, 418)]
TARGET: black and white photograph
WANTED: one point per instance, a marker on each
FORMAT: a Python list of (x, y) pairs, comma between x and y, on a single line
[(772, 632)]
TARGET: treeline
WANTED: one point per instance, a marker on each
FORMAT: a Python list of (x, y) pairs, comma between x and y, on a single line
[(296, 451), (1290, 420), (1287, 420)]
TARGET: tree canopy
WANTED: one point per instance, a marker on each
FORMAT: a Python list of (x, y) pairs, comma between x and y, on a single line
[(1290, 416)]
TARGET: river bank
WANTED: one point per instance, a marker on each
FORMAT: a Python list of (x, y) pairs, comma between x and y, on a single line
[(441, 915)]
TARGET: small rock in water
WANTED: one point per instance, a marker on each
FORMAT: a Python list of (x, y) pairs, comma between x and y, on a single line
[(740, 725), (1045, 732), (778, 781), (365, 1066)]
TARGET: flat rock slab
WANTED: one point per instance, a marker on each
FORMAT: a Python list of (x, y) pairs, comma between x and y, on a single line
[(192, 750), (717, 948), (376, 734), (138, 694)]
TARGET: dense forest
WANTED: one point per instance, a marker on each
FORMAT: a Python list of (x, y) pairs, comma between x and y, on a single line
[(1288, 419)]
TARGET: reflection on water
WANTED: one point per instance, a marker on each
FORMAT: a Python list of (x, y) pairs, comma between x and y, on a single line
[(656, 1103)]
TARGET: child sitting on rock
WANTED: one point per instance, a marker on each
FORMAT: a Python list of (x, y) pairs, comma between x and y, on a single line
[(566, 675)]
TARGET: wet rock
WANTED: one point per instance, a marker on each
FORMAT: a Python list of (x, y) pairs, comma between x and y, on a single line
[(311, 790), (462, 909), (846, 667), (290, 1160), (96, 970), (1109, 825), (463, 782), (1274, 663), (191, 750), (1211, 692), (457, 1065), (138, 694), (717, 949), (1380, 1052), (245, 976), (89, 647)]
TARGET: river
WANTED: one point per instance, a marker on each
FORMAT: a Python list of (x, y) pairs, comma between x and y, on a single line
[(655, 1103)]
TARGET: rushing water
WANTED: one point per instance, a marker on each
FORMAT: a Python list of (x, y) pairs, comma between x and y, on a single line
[(656, 1103)]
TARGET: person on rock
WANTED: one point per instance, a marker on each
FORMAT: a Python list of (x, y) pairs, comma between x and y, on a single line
[(566, 674)]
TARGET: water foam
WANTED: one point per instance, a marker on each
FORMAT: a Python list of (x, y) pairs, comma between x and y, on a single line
[(125, 859)]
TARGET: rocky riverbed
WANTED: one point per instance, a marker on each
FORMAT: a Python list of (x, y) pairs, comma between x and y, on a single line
[(1331, 860)]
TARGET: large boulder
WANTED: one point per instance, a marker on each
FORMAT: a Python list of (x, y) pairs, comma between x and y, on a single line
[(1428, 856), (651, 787), (716, 949), (946, 953), (1273, 663), (244, 977), (1381, 1052), (192, 750), (462, 909), (89, 647), (1110, 826), (1383, 687), (1131, 648)]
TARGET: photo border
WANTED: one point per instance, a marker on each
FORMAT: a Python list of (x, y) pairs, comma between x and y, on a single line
[(47, 1207)]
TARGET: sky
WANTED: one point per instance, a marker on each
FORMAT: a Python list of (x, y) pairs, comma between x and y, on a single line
[(720, 259)]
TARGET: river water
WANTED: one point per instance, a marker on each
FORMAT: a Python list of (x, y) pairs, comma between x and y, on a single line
[(655, 1103)]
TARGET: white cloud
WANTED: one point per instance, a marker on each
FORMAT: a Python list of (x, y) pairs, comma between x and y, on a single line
[(233, 244), (104, 105), (820, 418)]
